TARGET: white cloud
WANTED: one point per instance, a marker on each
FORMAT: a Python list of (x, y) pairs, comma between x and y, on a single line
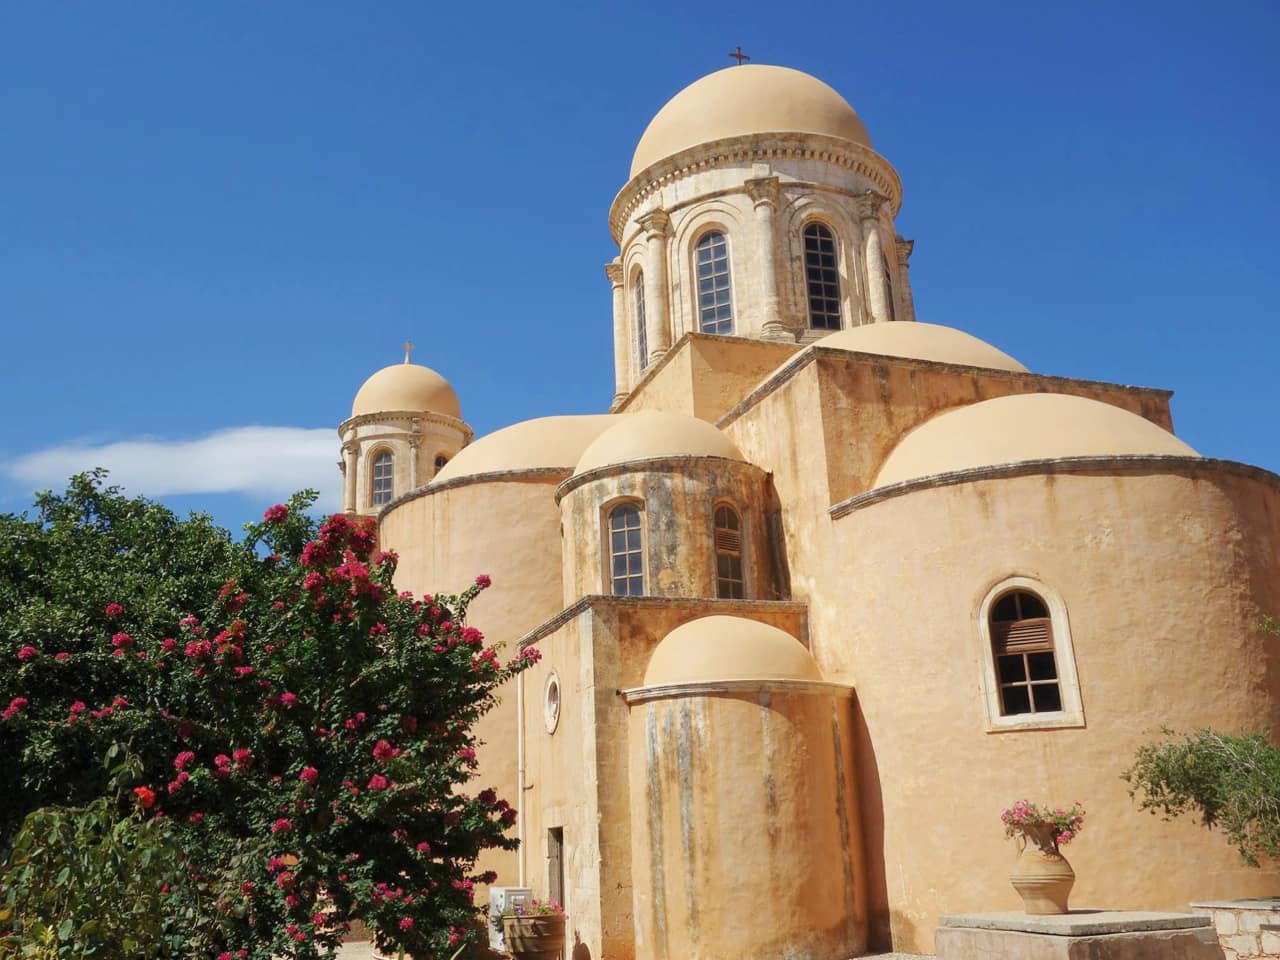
[(266, 462)]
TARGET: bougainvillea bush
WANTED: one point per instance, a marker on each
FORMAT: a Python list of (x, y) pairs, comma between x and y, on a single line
[(303, 730)]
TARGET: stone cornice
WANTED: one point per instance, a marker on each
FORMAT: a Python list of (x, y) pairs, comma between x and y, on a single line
[(816, 351), (732, 687), (613, 270), (645, 465), (407, 416), (749, 149), (526, 475), (1129, 463), (583, 603)]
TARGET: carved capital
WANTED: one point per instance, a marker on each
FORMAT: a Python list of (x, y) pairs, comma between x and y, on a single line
[(655, 223), (763, 190), (350, 448), (904, 248), (869, 204), (613, 270)]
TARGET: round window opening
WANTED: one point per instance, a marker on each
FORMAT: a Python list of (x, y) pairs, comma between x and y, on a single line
[(551, 703)]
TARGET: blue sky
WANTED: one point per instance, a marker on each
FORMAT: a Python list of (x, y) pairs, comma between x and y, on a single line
[(217, 219)]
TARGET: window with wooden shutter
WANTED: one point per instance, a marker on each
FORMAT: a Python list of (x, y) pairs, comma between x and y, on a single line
[(730, 583), (1022, 643)]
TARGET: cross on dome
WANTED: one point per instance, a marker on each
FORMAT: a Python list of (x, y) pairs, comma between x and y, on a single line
[(408, 349), (739, 55)]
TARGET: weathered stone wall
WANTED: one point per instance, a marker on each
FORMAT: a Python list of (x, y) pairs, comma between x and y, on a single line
[(1247, 929)]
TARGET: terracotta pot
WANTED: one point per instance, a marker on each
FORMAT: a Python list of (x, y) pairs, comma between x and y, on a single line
[(1041, 874), (537, 937)]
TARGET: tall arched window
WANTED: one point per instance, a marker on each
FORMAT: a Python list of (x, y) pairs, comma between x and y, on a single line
[(728, 538), (888, 288), (642, 331), (626, 557), (1022, 643), (383, 478), (715, 306), (822, 277)]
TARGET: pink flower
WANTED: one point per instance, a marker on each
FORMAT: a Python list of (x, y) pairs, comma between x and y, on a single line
[(243, 671), (285, 880), (78, 707), (199, 648), (466, 753), (313, 581), (530, 655), (378, 782), (114, 610), (288, 700), (383, 751), (15, 707), (27, 653), (424, 847), (483, 581), (406, 923), (167, 644), (182, 759), (61, 656), (283, 825), (242, 757), (309, 775), (276, 514), (292, 900), (122, 640)]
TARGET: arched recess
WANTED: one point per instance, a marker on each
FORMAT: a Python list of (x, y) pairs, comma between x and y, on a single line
[(380, 476), (794, 217), (623, 567), (1014, 655), (694, 223), (637, 321)]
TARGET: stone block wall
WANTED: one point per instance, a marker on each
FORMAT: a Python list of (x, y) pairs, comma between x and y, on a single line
[(1247, 929)]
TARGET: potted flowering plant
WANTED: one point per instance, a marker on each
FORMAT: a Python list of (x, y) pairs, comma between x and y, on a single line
[(1041, 875), (534, 930)]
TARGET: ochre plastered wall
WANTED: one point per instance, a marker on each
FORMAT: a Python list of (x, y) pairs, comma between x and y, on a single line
[(1165, 578), (578, 776), (509, 530), (745, 828)]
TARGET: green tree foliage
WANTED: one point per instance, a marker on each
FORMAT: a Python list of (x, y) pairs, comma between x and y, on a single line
[(302, 733), (1231, 782)]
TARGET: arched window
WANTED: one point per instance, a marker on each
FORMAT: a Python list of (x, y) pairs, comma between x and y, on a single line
[(441, 460), (1022, 643), (728, 539), (822, 277), (715, 306), (642, 332), (626, 557), (888, 288), (383, 482)]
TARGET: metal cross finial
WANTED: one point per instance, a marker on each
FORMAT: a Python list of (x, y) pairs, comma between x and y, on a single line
[(739, 55), (408, 349)]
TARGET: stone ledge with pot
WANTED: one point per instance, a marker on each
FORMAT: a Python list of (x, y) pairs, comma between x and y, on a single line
[(1077, 935)]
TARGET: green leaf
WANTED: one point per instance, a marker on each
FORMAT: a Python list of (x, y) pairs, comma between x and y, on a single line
[(63, 874), (65, 928)]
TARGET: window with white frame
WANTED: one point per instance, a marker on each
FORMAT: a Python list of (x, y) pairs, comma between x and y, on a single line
[(715, 297), (1029, 663), (730, 583), (625, 551), (383, 478), (642, 331), (822, 277)]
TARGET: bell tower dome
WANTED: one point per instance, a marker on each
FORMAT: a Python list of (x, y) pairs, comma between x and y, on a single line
[(756, 207), (405, 425)]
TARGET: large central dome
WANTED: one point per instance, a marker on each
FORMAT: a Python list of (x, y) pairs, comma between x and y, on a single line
[(740, 100)]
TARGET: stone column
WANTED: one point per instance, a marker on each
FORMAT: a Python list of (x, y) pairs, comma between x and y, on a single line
[(349, 451), (764, 196), (873, 251), (413, 460), (903, 287), (655, 224), (621, 342)]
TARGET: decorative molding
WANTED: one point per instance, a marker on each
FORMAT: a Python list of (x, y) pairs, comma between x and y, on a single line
[(528, 475), (904, 248), (870, 203), (408, 417), (734, 687), (613, 270), (668, 464), (763, 190), (747, 150), (1123, 463), (655, 223)]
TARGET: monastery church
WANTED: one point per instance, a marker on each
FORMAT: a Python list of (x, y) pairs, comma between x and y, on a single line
[(829, 585)]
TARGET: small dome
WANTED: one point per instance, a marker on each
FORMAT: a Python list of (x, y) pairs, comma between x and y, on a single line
[(922, 341), (1032, 426), (406, 386), (729, 648), (542, 443), (652, 435), (741, 100)]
